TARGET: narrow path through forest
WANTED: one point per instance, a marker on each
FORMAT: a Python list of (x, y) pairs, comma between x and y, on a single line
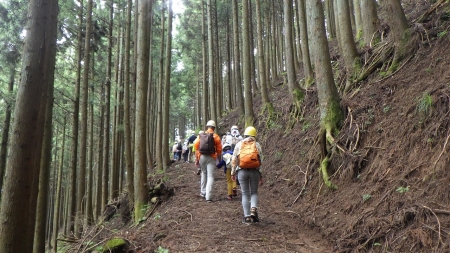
[(187, 223)]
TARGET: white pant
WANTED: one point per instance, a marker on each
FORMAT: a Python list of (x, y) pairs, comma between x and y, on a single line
[(249, 181), (208, 166)]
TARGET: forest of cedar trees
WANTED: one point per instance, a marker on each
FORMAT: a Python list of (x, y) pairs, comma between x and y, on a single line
[(94, 94)]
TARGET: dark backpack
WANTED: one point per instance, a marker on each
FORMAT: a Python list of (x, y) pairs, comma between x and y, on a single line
[(207, 145), (179, 147)]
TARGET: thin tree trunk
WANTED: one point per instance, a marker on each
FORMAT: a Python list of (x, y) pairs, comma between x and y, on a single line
[(261, 62), (369, 22), (249, 114), (57, 205), (6, 126), (307, 68), (140, 165), (127, 107), (212, 83), (294, 88), (81, 186), (44, 176), (167, 72), (237, 60), (75, 126)]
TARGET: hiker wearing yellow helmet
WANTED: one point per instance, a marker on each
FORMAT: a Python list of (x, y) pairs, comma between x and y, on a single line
[(246, 166), (208, 148)]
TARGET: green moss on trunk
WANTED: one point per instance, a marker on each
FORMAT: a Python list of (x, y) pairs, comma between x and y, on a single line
[(324, 170)]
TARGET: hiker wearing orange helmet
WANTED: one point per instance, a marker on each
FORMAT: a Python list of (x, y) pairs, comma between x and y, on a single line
[(208, 148), (246, 166)]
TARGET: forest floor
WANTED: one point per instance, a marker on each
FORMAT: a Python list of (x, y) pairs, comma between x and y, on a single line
[(390, 165)]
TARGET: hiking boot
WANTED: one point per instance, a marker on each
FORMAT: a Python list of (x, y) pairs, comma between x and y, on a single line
[(208, 201), (254, 214), (247, 220), (198, 171), (234, 192), (229, 197)]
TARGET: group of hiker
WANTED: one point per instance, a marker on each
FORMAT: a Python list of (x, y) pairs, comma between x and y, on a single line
[(239, 156)]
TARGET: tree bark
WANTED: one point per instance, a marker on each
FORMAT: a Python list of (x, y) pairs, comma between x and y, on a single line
[(81, 179), (348, 46), (249, 114), (370, 33), (237, 60), (167, 72), (294, 88), (140, 163), (38, 65), (127, 107)]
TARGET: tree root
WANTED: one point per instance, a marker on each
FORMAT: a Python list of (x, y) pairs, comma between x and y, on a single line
[(325, 136)]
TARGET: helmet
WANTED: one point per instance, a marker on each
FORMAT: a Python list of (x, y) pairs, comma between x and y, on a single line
[(234, 127), (250, 131), (226, 146), (211, 123)]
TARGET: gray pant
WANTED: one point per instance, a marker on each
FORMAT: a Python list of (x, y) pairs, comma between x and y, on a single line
[(249, 181), (208, 166)]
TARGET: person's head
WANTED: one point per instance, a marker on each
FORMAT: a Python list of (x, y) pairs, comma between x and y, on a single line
[(211, 124), (250, 131), (234, 130), (226, 147)]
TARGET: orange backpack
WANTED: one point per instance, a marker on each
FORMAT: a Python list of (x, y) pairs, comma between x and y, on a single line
[(249, 155)]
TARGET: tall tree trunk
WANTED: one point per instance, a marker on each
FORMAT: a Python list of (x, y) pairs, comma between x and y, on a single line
[(399, 25), (81, 186), (20, 184), (127, 107), (140, 164), (237, 60), (205, 93), (370, 33), (294, 89), (331, 114), (358, 18), (349, 51), (261, 62), (330, 18), (90, 149), (58, 195), (75, 127), (44, 176), (6, 125), (159, 125), (307, 68), (167, 72), (211, 73), (249, 114)]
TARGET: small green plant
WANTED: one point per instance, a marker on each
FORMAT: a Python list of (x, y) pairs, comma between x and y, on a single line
[(306, 126), (366, 197), (161, 250), (402, 189), (425, 103), (442, 34), (278, 156), (386, 109), (157, 216)]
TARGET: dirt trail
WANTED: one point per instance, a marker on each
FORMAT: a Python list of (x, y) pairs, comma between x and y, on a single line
[(187, 223)]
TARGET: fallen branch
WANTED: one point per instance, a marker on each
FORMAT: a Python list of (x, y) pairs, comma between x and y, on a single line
[(426, 14), (442, 152), (439, 224), (304, 185)]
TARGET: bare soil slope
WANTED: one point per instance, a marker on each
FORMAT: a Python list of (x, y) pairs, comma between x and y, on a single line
[(390, 165)]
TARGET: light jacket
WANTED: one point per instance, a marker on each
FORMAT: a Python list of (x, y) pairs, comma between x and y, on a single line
[(234, 160)]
